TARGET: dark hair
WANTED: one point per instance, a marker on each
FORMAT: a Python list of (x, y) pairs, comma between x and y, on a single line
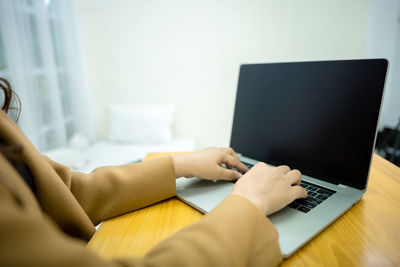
[(12, 152), (9, 96)]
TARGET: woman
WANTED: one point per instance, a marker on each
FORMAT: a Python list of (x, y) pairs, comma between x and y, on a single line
[(48, 212)]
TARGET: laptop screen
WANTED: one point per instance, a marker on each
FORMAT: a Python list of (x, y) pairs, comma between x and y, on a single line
[(319, 117)]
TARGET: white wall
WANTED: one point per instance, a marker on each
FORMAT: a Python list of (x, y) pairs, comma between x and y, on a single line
[(383, 40), (188, 52)]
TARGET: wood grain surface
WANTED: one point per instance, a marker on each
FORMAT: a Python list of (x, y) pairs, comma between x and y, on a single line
[(367, 235)]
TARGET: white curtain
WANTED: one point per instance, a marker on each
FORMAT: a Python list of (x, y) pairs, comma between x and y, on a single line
[(383, 41), (41, 55)]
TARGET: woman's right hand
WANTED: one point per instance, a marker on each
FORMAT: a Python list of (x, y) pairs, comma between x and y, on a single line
[(270, 188)]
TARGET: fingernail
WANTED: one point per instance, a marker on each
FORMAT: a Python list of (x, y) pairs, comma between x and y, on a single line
[(238, 175)]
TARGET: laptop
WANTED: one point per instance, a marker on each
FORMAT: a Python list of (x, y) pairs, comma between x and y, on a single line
[(319, 117)]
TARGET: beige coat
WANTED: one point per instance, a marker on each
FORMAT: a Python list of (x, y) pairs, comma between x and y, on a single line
[(52, 227)]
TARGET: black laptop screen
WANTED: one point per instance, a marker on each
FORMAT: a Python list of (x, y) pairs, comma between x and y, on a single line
[(319, 117)]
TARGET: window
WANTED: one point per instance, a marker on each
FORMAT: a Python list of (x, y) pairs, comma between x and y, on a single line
[(37, 38)]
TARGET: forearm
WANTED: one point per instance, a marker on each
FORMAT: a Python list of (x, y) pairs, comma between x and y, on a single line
[(110, 191), (117, 190), (235, 233)]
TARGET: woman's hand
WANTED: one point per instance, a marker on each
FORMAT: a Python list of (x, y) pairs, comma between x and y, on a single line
[(206, 164), (270, 188)]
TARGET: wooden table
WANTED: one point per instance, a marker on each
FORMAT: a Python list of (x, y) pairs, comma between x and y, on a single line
[(367, 235)]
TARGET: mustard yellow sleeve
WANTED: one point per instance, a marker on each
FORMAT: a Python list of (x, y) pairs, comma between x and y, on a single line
[(233, 234), (110, 191)]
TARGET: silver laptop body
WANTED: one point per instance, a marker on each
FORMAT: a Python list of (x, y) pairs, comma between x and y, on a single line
[(319, 117)]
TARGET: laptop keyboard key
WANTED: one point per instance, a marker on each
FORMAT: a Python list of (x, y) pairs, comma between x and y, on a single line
[(248, 165), (312, 194), (325, 192), (314, 200), (310, 205), (321, 197), (312, 188), (303, 209), (294, 205), (316, 195)]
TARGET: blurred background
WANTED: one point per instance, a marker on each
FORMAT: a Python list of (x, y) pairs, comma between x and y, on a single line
[(90, 73)]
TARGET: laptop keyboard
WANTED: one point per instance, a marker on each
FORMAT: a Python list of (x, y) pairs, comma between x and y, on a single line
[(316, 195), (248, 164)]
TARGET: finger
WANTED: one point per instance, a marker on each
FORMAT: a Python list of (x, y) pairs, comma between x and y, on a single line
[(227, 159), (299, 192), (232, 152), (283, 169), (228, 166), (235, 163), (242, 167), (227, 175), (294, 177)]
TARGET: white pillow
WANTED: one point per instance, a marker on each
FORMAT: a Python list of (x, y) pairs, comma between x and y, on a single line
[(140, 123)]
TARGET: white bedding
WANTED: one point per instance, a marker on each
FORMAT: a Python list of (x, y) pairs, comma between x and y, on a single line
[(105, 153)]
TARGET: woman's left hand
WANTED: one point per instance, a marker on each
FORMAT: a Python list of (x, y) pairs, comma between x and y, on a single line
[(206, 164)]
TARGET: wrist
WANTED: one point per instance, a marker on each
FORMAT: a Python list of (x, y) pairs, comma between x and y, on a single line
[(253, 203), (181, 165), (256, 202)]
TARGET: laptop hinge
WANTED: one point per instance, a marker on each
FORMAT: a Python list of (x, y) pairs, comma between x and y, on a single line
[(342, 185)]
